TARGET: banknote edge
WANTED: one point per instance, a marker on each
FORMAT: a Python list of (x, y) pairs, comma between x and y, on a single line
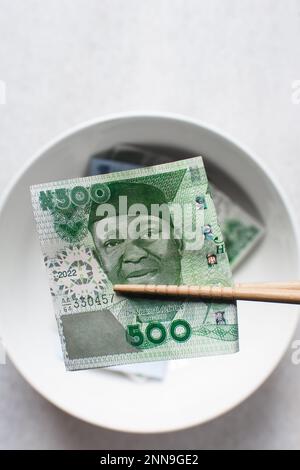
[(257, 237), (141, 172), (98, 362)]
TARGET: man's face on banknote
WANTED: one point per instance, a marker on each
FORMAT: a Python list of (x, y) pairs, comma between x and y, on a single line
[(151, 256)]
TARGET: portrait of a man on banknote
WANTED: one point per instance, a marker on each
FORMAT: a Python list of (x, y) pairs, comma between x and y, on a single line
[(148, 254)]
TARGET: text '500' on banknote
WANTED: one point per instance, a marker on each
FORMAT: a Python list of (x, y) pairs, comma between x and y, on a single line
[(153, 225)]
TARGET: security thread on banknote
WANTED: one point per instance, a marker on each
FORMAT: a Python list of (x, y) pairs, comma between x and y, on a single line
[(153, 225)]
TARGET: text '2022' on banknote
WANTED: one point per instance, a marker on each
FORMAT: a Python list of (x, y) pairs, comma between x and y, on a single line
[(154, 225)]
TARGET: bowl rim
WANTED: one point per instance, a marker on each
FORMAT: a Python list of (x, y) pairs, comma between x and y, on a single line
[(183, 119)]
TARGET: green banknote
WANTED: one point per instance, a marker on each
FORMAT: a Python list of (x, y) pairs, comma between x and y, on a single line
[(240, 230), (153, 225)]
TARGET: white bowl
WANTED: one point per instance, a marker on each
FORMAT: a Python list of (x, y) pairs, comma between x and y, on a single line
[(196, 390)]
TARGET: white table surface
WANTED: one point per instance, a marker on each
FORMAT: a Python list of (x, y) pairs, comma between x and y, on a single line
[(228, 63)]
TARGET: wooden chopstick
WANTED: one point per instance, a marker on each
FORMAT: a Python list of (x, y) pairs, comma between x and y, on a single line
[(291, 285), (239, 292)]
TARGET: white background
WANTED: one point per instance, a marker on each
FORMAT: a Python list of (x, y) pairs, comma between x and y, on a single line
[(228, 63)]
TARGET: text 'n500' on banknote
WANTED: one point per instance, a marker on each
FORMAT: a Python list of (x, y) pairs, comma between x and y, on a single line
[(154, 225)]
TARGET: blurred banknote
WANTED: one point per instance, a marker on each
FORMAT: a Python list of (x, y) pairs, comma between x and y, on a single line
[(240, 230), (148, 225)]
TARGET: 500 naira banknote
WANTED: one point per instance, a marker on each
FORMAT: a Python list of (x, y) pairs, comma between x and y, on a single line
[(153, 225)]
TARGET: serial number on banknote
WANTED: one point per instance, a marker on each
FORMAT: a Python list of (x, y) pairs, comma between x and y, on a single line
[(82, 301)]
